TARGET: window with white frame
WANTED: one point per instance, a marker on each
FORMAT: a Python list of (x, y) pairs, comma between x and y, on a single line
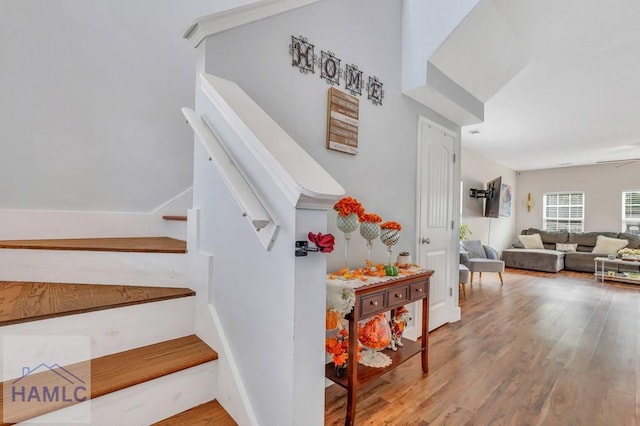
[(563, 211), (631, 212)]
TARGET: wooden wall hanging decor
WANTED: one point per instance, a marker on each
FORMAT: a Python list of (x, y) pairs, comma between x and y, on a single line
[(342, 122)]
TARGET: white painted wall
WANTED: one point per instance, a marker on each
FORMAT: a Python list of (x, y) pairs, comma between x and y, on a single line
[(427, 24), (90, 96), (476, 172), (366, 33), (602, 185)]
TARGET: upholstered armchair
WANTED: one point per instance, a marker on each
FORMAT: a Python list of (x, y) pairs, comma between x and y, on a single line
[(480, 258)]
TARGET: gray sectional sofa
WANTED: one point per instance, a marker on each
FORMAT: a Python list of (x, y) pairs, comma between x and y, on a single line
[(551, 260)]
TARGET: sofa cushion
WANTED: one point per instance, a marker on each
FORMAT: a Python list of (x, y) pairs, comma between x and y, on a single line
[(534, 259), (566, 247), (588, 239), (531, 241), (549, 237), (475, 249), (580, 261), (606, 245), (634, 240)]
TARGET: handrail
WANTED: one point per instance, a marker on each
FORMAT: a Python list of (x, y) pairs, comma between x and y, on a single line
[(246, 197), (302, 180)]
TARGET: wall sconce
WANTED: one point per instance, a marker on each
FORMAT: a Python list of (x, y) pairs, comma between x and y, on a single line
[(528, 202)]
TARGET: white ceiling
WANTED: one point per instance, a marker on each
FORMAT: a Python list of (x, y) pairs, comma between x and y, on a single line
[(572, 96)]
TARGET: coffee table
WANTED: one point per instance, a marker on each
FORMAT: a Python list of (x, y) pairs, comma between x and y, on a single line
[(626, 277)]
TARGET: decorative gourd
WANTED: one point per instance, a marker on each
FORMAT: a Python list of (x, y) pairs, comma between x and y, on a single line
[(331, 319), (391, 271)]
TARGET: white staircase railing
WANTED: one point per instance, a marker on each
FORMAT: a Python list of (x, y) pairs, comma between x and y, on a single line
[(252, 208)]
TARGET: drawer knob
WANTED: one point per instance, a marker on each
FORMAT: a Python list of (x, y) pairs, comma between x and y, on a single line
[(419, 290), (398, 296), (374, 302)]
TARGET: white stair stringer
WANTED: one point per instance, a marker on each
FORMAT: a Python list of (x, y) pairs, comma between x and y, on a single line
[(94, 267), (147, 402), (117, 329)]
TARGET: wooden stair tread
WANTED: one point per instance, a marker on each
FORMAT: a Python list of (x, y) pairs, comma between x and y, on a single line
[(32, 301), (117, 371), (175, 217), (134, 244), (208, 414)]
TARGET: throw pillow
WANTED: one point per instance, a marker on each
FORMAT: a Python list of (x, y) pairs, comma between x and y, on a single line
[(475, 249), (531, 241), (606, 245), (566, 247)]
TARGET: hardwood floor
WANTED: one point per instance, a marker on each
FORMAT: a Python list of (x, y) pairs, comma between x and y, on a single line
[(544, 349)]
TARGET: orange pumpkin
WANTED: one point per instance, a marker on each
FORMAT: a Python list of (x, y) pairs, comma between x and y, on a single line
[(331, 319)]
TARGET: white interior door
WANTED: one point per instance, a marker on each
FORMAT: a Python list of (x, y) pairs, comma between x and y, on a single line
[(435, 197)]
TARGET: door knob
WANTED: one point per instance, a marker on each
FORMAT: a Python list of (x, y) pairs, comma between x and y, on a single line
[(426, 241)]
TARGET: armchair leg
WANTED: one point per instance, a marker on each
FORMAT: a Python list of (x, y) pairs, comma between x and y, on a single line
[(500, 275), (471, 279), (463, 287)]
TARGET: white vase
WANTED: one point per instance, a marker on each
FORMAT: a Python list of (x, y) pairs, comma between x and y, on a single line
[(347, 224), (404, 260), (389, 237), (369, 230)]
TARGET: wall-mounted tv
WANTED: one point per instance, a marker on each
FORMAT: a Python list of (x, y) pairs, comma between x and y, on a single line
[(492, 203)]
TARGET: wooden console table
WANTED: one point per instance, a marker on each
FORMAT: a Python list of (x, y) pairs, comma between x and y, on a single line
[(373, 299)]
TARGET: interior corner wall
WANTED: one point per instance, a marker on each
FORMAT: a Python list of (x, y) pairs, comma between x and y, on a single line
[(90, 96), (367, 33), (602, 185), (476, 171)]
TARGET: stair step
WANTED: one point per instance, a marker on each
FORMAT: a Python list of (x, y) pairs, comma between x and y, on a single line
[(175, 217), (117, 371), (210, 413), (135, 244), (32, 301)]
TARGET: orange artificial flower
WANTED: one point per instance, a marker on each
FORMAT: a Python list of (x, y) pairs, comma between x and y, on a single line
[(338, 347), (347, 205), (391, 225), (370, 217)]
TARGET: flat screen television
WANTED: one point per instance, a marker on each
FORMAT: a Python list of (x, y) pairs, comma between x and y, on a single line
[(492, 203)]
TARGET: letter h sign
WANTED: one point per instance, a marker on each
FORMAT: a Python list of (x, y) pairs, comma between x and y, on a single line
[(302, 55)]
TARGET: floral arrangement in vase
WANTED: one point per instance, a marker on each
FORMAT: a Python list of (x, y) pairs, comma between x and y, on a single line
[(370, 230), (349, 211), (390, 235)]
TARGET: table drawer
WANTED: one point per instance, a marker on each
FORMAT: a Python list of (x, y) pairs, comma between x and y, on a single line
[(397, 296), (418, 290), (372, 303)]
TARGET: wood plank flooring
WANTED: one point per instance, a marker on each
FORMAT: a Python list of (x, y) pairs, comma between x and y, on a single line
[(111, 373), (544, 349), (137, 244), (208, 414), (30, 301)]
